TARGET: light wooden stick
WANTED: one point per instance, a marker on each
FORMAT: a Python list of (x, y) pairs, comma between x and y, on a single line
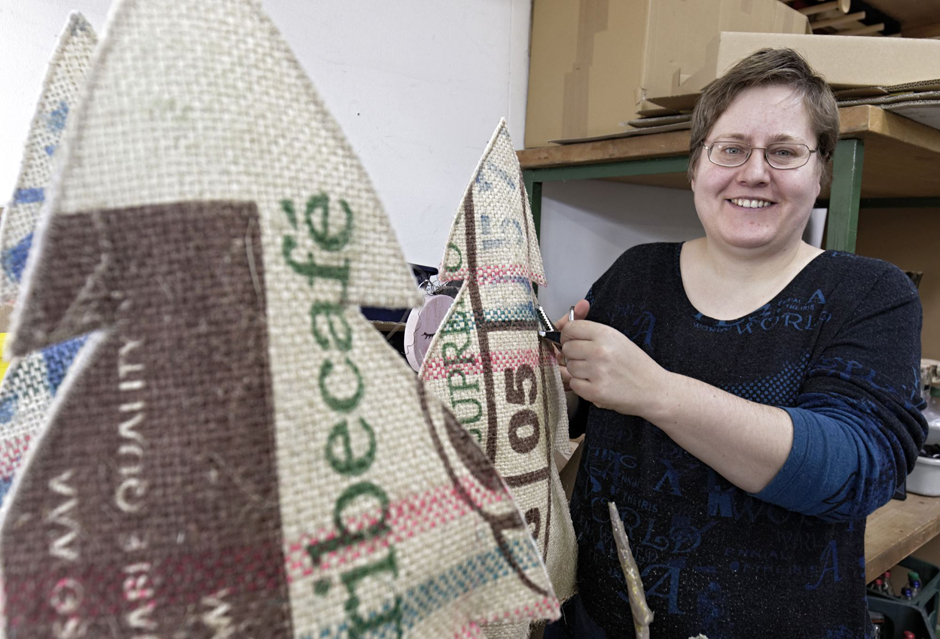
[(841, 5), (642, 615), (870, 29), (832, 22)]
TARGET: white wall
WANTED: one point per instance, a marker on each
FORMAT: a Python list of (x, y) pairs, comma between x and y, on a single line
[(418, 87), (586, 225)]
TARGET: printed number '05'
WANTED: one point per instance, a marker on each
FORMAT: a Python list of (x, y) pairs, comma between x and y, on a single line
[(515, 385), (524, 428)]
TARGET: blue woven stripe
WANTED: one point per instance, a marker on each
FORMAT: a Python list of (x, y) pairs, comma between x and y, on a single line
[(29, 196), (520, 312), (435, 593), (8, 408), (58, 358), (14, 259)]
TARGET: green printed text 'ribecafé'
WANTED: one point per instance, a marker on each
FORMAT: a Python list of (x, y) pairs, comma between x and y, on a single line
[(351, 445)]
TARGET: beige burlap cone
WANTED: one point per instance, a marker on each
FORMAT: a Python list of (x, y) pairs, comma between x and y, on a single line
[(64, 77), (31, 382), (488, 364), (236, 452)]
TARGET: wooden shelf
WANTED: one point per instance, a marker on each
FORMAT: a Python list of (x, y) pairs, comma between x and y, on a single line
[(916, 16), (897, 529), (641, 147), (902, 157)]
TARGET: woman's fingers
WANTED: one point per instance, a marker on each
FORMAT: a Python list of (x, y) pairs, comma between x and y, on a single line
[(576, 348), (578, 368), (581, 309), (565, 373), (580, 312), (581, 388), (584, 330)]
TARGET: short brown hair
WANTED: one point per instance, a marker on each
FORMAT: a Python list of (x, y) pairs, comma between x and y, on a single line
[(784, 67)]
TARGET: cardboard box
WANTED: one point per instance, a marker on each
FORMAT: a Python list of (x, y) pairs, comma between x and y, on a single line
[(846, 62), (594, 62)]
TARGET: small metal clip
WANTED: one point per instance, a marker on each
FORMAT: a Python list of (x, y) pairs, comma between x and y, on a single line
[(547, 330)]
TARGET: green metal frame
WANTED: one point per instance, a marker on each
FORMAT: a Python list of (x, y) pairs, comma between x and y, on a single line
[(534, 178), (844, 203), (845, 195)]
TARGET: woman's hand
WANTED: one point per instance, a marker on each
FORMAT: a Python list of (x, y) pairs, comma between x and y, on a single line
[(580, 312), (605, 368), (745, 442)]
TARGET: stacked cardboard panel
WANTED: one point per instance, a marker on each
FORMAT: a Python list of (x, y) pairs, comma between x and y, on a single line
[(595, 63), (601, 69)]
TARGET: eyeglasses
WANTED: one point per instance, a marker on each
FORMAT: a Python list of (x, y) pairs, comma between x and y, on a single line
[(783, 156)]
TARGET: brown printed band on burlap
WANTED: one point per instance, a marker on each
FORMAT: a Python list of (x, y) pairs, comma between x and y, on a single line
[(151, 506)]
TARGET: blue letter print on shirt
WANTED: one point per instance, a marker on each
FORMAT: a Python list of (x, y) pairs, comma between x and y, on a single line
[(829, 562)]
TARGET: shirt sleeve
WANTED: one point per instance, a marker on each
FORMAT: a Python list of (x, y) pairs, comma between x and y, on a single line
[(857, 425)]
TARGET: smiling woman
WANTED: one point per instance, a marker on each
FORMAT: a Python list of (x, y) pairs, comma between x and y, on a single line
[(769, 404), (727, 197)]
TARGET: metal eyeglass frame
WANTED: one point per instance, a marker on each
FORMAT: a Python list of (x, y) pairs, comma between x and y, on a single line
[(751, 149)]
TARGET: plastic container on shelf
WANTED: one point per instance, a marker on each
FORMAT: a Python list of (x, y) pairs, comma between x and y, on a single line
[(925, 478), (933, 432), (932, 414), (901, 617), (928, 598)]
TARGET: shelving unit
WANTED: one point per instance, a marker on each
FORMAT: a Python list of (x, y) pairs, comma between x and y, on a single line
[(882, 160)]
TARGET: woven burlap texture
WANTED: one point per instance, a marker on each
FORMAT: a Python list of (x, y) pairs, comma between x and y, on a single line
[(31, 382), (237, 452), (488, 364), (26, 395), (64, 77)]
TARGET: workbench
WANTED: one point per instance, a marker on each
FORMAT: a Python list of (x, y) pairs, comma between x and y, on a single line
[(881, 161), (898, 529)]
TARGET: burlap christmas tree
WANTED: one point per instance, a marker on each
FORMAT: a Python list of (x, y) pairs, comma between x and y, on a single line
[(31, 382), (236, 452), (487, 362), (64, 77)]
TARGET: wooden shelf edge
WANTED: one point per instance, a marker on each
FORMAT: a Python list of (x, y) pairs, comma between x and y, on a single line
[(898, 529), (869, 121), (856, 121), (864, 122), (657, 145)]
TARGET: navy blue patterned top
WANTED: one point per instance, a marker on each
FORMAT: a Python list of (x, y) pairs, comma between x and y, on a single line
[(839, 349)]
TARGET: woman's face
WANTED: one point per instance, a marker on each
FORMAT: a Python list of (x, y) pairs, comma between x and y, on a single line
[(755, 207)]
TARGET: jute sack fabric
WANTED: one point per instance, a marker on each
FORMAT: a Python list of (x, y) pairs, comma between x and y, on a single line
[(31, 382), (26, 395), (488, 364), (236, 451), (64, 77)]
